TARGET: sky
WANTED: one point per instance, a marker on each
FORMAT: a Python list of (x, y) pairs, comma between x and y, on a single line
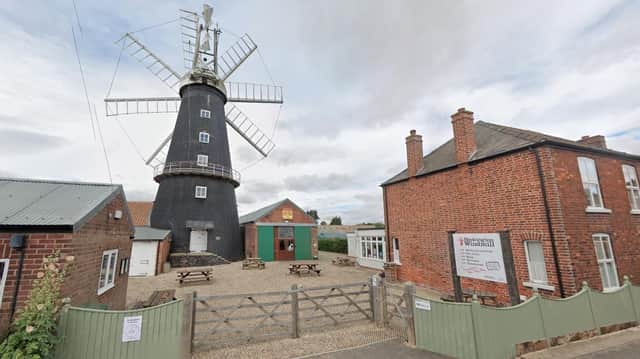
[(357, 76)]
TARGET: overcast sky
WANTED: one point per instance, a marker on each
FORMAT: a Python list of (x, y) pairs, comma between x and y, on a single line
[(358, 75)]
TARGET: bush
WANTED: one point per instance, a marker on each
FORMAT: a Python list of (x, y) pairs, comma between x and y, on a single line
[(335, 245), (33, 333)]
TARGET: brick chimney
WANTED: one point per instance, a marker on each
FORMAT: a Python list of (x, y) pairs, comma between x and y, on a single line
[(463, 134), (414, 153), (594, 141)]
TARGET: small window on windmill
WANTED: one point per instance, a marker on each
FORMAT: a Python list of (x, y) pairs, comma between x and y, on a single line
[(205, 113), (202, 161), (201, 191), (203, 137)]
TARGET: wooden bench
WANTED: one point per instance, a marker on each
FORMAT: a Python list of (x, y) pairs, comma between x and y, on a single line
[(253, 263), (194, 274), (343, 261), (299, 268)]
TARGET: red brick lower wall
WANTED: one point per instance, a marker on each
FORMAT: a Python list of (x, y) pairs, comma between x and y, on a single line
[(163, 254), (250, 240)]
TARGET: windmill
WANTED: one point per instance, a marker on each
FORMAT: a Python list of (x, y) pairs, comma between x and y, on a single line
[(192, 165)]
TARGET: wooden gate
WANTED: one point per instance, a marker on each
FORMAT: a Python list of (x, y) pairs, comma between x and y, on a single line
[(227, 319)]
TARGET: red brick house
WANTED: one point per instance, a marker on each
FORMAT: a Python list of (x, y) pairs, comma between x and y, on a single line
[(280, 231), (88, 221), (572, 208)]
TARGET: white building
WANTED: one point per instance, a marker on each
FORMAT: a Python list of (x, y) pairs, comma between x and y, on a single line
[(369, 247)]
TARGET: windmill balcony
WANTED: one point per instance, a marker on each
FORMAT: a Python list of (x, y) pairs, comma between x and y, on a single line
[(193, 168)]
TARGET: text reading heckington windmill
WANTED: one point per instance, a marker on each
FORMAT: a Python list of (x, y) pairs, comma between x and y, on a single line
[(196, 194)]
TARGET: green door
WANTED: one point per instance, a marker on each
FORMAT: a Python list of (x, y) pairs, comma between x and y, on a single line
[(265, 243), (303, 242)]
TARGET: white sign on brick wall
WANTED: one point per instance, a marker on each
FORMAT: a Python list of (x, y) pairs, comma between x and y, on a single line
[(479, 256)]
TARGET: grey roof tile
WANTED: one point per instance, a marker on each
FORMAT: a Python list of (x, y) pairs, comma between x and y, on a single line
[(146, 233)]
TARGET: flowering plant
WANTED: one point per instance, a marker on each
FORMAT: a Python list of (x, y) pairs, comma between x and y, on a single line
[(33, 333)]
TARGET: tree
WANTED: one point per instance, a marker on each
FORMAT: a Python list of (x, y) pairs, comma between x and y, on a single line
[(336, 221), (313, 214)]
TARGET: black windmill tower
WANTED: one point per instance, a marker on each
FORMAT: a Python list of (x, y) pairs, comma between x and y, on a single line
[(196, 194)]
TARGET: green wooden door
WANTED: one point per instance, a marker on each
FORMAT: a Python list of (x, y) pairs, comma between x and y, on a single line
[(265, 243), (303, 242)]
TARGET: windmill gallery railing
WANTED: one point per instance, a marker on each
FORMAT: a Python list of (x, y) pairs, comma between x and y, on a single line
[(192, 167)]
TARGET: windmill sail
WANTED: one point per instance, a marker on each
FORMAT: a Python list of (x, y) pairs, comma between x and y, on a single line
[(134, 106), (248, 130), (152, 62), (235, 56), (188, 27)]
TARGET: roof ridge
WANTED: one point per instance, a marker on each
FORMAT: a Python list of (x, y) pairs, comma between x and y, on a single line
[(38, 180)]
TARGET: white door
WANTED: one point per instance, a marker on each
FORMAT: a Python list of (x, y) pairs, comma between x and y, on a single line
[(143, 258), (396, 251), (198, 241)]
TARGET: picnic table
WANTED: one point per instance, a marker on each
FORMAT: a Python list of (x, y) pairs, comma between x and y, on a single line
[(299, 268), (467, 296), (344, 261), (253, 262), (194, 274)]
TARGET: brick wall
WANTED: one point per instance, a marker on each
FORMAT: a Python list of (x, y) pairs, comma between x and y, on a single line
[(86, 245), (163, 253), (488, 196), (250, 240), (622, 226), (276, 215)]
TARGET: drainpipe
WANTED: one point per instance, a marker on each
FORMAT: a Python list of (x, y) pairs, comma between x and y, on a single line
[(19, 242), (386, 223), (548, 215)]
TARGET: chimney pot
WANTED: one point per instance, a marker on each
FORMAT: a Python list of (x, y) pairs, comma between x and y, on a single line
[(597, 141), (463, 134)]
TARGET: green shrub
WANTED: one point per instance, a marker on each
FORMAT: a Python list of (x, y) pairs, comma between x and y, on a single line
[(33, 333), (336, 245)]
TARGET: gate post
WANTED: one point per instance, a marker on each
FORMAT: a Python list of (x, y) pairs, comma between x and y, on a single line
[(379, 301), (188, 324), (294, 311), (409, 300)]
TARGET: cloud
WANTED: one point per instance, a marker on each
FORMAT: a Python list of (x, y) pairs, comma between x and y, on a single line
[(20, 142), (306, 183)]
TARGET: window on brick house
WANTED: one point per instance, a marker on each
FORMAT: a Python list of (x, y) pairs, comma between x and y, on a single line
[(590, 183), (535, 262), (633, 188), (606, 262), (4, 271), (107, 270)]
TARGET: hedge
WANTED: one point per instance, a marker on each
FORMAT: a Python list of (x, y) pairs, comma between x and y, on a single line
[(335, 245)]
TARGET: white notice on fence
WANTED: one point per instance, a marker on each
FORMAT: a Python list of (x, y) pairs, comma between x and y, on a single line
[(479, 255), (132, 329), (423, 304)]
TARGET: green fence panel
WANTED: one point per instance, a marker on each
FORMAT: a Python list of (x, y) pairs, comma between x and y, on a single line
[(446, 328), (635, 292), (97, 334), (612, 308), (498, 330), (569, 315), (265, 243), (303, 242)]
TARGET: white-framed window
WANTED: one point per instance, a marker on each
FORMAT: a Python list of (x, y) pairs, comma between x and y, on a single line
[(633, 188), (202, 160), (4, 271), (535, 262), (107, 270), (205, 113), (203, 137), (590, 184), (606, 262), (201, 191), (372, 247)]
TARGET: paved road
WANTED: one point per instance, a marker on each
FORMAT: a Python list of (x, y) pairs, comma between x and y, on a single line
[(617, 345), (621, 351), (388, 349)]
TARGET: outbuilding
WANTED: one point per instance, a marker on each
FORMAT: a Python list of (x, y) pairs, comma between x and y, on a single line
[(279, 232), (87, 221), (151, 246), (368, 246)]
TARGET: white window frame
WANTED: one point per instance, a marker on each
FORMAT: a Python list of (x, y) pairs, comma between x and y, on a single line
[(204, 113), (111, 267), (202, 160), (204, 137), (373, 244), (589, 182), (202, 190), (540, 283), (3, 276), (633, 189), (605, 239)]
